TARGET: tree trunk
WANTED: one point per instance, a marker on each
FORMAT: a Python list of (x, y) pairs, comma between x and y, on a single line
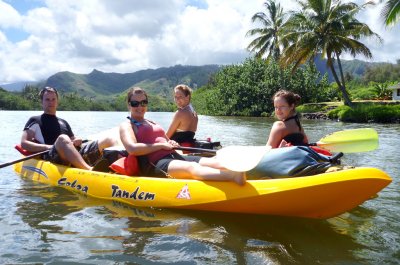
[(342, 88), (341, 71)]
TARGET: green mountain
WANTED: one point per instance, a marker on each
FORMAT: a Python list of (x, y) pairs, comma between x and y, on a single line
[(159, 81), (356, 68)]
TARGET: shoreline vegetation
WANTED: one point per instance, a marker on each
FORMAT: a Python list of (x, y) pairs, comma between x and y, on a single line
[(366, 111), (246, 89)]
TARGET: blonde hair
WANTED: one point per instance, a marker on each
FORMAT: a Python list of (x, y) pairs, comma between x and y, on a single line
[(186, 90)]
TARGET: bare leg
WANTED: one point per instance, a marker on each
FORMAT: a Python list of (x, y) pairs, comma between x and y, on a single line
[(211, 162), (184, 169), (67, 151), (106, 141)]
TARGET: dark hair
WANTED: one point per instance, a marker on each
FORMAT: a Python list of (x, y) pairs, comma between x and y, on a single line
[(47, 89), (186, 90), (289, 96), (135, 90)]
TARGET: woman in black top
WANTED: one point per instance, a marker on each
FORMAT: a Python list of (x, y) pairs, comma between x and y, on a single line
[(288, 130)]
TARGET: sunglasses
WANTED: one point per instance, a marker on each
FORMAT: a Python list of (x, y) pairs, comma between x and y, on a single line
[(136, 104)]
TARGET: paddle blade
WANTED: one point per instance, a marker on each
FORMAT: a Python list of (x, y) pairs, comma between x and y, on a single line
[(241, 158), (351, 141), (110, 133)]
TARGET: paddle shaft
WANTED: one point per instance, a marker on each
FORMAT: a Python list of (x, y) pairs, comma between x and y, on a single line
[(23, 159), (193, 149), (29, 157), (347, 141), (212, 151)]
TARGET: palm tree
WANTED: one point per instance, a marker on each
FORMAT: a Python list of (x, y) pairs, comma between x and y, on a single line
[(329, 28), (267, 37), (390, 12)]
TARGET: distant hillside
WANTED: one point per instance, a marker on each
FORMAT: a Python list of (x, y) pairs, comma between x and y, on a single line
[(18, 86), (159, 81), (355, 68)]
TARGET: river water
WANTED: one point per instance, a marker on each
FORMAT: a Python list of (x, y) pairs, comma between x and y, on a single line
[(40, 224)]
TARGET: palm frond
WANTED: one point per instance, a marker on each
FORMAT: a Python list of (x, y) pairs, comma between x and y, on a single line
[(391, 12)]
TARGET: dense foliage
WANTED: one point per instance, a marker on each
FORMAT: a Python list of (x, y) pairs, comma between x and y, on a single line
[(246, 89), (367, 112), (12, 101), (382, 73)]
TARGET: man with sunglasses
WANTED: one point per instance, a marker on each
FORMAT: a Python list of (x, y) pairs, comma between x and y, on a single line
[(49, 132), (144, 138)]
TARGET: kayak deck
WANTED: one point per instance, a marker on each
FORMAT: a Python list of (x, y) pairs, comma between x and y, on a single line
[(318, 196)]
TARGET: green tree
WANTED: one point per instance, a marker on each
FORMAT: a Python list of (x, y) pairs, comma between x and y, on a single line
[(31, 93), (390, 12), (268, 36), (329, 28), (382, 91), (247, 89)]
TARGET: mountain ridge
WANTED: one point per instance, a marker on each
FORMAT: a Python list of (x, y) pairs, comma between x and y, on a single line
[(98, 84), (101, 85)]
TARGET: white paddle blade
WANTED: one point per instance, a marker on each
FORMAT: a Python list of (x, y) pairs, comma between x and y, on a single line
[(241, 158), (113, 133)]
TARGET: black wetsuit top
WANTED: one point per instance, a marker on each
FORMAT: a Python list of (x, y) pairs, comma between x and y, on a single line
[(295, 138), (183, 137), (50, 127)]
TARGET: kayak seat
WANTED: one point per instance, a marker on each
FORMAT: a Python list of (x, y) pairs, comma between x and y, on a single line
[(128, 166), (322, 151), (187, 144)]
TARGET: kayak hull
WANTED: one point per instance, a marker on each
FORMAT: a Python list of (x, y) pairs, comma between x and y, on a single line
[(319, 196)]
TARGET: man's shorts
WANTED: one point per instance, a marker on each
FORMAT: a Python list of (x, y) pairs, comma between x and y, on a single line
[(89, 151)]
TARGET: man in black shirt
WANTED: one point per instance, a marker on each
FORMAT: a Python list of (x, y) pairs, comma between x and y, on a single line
[(49, 132)]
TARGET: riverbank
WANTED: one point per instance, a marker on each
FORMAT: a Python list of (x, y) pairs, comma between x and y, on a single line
[(363, 111)]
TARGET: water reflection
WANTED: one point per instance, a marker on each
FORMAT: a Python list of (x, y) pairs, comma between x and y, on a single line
[(73, 225)]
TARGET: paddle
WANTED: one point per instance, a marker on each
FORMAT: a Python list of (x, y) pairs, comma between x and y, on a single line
[(350, 141), (244, 158), (24, 158), (235, 158), (29, 157)]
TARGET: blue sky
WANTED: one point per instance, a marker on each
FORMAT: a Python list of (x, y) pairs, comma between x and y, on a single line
[(39, 38), (23, 6)]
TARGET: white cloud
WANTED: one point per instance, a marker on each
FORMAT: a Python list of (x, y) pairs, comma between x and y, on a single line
[(9, 16), (130, 35)]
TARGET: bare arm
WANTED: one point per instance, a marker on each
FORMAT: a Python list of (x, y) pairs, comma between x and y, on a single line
[(276, 134), (176, 121), (131, 145), (27, 142)]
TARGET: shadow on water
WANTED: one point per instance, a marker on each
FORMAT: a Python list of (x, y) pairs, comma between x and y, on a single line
[(159, 235)]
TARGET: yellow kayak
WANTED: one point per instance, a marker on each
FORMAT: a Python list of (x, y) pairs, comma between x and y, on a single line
[(319, 196)]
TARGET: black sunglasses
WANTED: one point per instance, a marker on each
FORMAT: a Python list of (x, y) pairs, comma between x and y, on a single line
[(136, 104)]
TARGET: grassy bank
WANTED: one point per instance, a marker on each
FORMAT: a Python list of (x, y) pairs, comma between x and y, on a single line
[(363, 111)]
